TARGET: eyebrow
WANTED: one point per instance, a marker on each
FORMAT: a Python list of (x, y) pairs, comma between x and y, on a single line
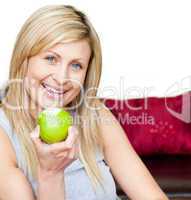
[(75, 59), (54, 53)]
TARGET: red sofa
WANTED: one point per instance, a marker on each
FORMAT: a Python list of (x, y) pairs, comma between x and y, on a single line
[(159, 128)]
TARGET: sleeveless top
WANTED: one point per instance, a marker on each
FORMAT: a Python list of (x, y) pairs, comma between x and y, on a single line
[(77, 182)]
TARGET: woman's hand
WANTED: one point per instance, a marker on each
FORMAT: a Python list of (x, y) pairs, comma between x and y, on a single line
[(54, 158)]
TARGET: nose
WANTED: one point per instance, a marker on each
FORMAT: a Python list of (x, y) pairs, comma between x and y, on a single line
[(61, 75)]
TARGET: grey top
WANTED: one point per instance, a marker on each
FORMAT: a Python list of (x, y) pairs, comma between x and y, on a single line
[(77, 182)]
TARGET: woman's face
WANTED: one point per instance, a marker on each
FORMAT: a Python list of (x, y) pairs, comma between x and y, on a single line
[(55, 76)]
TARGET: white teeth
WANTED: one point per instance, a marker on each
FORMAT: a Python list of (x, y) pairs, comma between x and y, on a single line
[(50, 89)]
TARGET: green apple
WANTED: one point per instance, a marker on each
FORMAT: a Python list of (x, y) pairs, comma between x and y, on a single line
[(54, 124)]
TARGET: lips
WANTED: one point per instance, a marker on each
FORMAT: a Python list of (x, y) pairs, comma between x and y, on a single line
[(53, 90)]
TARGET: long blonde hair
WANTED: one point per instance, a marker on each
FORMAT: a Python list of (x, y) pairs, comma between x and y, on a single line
[(44, 28)]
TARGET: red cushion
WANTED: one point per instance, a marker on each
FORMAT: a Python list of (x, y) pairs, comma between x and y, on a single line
[(163, 127)]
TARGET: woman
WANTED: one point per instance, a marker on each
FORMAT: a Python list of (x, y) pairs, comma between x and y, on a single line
[(56, 62)]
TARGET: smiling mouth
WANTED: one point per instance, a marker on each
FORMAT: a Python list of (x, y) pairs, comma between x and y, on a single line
[(52, 91)]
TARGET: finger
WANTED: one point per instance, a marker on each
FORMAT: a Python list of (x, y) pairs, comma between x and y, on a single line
[(64, 153), (36, 132), (36, 139), (73, 153), (73, 134), (77, 147)]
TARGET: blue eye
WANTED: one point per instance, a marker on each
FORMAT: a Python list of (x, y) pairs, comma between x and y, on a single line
[(76, 65), (51, 59)]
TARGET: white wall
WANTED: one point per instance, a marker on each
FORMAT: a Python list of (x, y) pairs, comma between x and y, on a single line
[(146, 44)]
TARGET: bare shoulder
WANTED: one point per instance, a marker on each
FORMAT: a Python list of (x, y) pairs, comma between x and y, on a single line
[(111, 129), (7, 153), (118, 150), (13, 183)]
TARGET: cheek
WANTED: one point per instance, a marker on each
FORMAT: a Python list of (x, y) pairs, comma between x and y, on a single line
[(78, 90), (37, 70), (31, 86), (78, 80), (77, 85), (35, 74)]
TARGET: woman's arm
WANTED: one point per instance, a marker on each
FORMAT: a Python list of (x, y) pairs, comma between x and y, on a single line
[(126, 166), (50, 186), (13, 183)]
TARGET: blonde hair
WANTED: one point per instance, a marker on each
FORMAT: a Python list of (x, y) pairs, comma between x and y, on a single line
[(44, 28)]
